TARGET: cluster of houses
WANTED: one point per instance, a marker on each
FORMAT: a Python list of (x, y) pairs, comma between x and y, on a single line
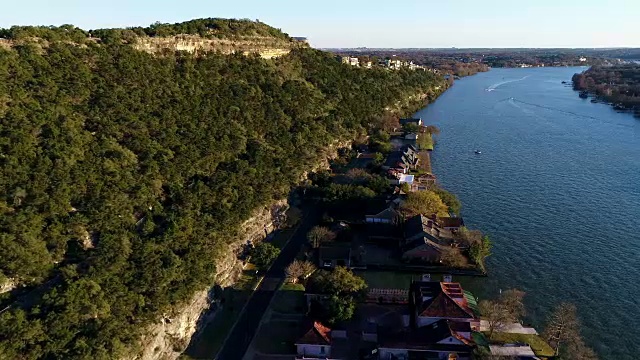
[(392, 64), (429, 320)]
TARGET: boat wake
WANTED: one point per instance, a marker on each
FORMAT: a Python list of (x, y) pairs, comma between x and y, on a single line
[(497, 85), (514, 101)]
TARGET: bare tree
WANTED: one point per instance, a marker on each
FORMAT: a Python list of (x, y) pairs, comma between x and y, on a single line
[(299, 269), (453, 258), (509, 308), (495, 314), (319, 234), (512, 300), (563, 334)]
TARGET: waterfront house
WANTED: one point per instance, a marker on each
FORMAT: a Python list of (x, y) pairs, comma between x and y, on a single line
[(407, 121), (425, 241), (449, 223), (411, 136), (431, 301), (402, 160), (423, 182)]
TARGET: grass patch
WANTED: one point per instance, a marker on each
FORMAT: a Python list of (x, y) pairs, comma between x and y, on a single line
[(538, 345), (425, 141), (289, 299), (386, 279), (213, 335), (278, 337)]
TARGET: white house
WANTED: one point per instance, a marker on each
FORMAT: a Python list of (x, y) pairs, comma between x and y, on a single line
[(315, 343)]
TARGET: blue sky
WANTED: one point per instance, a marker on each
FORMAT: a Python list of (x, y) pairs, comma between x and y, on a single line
[(373, 23)]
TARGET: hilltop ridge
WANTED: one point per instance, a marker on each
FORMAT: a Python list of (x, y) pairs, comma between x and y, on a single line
[(199, 35)]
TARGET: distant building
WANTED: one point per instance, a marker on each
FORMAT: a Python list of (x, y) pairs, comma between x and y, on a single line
[(583, 59), (349, 60), (301, 39)]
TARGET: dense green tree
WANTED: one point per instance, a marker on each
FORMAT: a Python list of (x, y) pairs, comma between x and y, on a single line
[(450, 199), (424, 202), (263, 255)]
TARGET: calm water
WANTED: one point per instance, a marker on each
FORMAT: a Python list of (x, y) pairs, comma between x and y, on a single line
[(558, 189)]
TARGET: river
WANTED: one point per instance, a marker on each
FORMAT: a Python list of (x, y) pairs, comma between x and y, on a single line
[(557, 187)]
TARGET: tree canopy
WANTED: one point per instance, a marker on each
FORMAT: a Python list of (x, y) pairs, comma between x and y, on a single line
[(124, 175), (425, 202), (263, 255)]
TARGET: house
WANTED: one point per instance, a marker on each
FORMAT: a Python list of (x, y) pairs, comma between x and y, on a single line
[(387, 214), (432, 301), (411, 136), (443, 339), (425, 241), (316, 341), (449, 223), (331, 256), (402, 160), (407, 121), (423, 182)]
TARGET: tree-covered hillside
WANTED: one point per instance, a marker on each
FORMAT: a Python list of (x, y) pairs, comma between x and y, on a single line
[(206, 28), (123, 174)]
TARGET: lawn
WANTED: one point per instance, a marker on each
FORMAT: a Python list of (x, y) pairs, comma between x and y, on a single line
[(213, 335), (289, 299), (539, 346), (277, 337), (387, 279)]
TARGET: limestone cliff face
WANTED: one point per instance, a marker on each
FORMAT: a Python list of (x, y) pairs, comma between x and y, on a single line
[(264, 46), (170, 336), (172, 333)]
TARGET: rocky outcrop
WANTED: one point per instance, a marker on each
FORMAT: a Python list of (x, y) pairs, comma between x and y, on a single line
[(264, 46), (8, 285), (172, 333)]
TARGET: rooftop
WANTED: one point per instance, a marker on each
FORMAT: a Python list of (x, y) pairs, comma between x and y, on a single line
[(440, 299), (316, 334), (427, 337)]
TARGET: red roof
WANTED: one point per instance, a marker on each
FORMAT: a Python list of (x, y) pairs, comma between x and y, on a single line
[(446, 301), (317, 334)]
